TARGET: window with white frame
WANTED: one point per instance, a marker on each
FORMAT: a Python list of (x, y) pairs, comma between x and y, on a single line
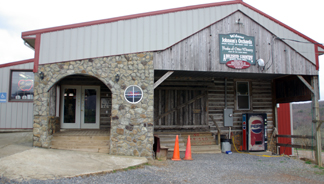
[(133, 94), (243, 95)]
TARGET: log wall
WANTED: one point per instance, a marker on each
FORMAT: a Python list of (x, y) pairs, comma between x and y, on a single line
[(175, 93)]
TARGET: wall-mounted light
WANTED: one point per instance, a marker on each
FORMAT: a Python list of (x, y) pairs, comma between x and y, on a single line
[(261, 64), (41, 75), (117, 78)]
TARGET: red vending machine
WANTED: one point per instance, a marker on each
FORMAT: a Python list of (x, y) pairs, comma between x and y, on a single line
[(254, 132)]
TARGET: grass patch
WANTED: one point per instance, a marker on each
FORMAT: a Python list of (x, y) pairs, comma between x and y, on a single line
[(308, 162)]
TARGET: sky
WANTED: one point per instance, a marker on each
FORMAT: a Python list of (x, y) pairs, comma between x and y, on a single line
[(17, 16)]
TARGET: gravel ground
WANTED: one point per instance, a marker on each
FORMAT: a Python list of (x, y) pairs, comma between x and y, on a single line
[(209, 168)]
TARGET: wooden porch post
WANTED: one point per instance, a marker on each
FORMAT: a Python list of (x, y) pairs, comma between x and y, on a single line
[(316, 118)]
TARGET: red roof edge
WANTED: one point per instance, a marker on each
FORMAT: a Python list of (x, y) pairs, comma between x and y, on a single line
[(316, 57), (282, 24), (16, 63), (83, 24)]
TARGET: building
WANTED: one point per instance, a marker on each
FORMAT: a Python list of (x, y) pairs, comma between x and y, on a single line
[(168, 70)]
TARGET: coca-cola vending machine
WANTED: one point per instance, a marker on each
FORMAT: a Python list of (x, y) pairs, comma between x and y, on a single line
[(254, 132)]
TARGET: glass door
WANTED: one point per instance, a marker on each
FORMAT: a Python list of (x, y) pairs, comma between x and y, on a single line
[(70, 106), (80, 107), (90, 107)]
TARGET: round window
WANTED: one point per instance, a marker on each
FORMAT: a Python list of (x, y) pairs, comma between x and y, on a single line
[(133, 94)]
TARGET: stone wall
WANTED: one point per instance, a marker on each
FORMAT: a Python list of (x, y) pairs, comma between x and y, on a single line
[(131, 124)]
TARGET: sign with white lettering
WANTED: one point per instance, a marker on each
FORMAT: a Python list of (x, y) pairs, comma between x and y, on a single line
[(236, 50), (3, 97)]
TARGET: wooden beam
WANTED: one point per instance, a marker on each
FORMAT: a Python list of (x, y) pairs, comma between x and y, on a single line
[(316, 117), (218, 129), (165, 76), (297, 136), (306, 83), (295, 146)]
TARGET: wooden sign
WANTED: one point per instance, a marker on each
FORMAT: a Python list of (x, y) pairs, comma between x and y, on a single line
[(236, 50)]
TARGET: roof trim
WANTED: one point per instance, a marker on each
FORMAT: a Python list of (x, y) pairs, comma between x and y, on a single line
[(90, 23), (282, 24), (17, 63), (83, 24)]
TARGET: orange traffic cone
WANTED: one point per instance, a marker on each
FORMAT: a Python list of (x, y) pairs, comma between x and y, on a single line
[(188, 150), (176, 151)]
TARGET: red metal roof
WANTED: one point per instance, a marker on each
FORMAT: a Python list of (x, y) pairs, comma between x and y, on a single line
[(16, 63)]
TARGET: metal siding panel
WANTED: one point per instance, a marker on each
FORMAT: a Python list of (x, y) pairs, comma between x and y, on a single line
[(87, 42), (8, 115), (30, 115), (94, 41), (165, 29), (172, 29), (20, 111), (66, 45), (101, 40), (147, 35), (3, 89), (178, 26), (60, 46), (120, 35), (44, 48), (74, 44), (140, 35), (53, 48), (80, 43), (153, 30), (184, 24), (24, 121), (133, 34), (114, 36), (195, 21), (159, 31), (130, 38), (15, 114), (108, 39)]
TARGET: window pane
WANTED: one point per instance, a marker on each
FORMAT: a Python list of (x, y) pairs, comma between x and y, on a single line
[(242, 88), (243, 102), (90, 100), (69, 105), (22, 85)]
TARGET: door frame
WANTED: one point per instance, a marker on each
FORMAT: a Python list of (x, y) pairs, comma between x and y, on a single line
[(79, 110)]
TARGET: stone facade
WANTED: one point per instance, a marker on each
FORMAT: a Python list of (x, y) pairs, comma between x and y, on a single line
[(131, 130)]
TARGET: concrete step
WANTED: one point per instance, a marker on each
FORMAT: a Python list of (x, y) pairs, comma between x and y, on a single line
[(80, 143), (86, 149), (72, 138)]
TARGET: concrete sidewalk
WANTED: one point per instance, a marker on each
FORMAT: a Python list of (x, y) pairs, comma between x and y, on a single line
[(24, 163)]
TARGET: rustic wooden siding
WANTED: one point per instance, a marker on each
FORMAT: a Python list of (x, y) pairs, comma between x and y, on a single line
[(260, 102), (176, 91), (14, 114), (176, 96), (200, 52)]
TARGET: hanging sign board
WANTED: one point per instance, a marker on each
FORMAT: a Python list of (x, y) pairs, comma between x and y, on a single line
[(3, 97), (236, 50)]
